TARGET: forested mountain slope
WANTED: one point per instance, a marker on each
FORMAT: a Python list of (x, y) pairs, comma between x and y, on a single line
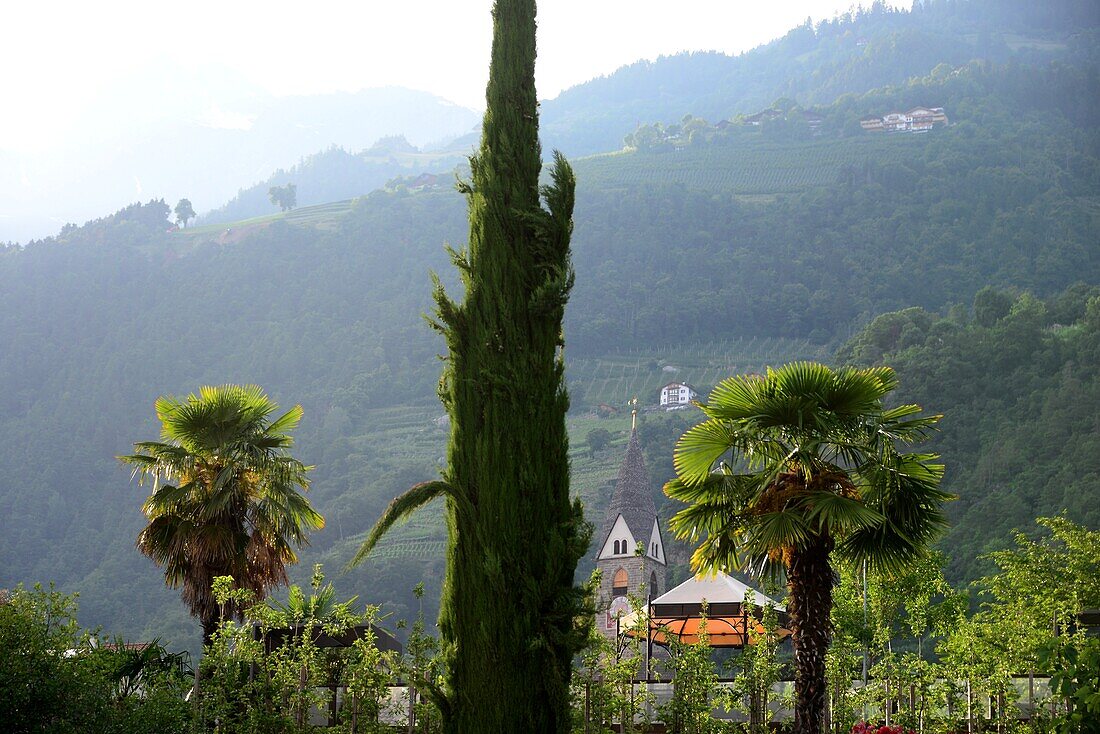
[(812, 66), (815, 65), (337, 174), (679, 246), (1018, 381)]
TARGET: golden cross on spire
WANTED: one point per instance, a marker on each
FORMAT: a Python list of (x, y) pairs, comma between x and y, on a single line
[(633, 403)]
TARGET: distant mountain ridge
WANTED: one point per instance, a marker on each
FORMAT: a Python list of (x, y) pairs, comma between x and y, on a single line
[(227, 146), (851, 54), (337, 174), (207, 152), (846, 56)]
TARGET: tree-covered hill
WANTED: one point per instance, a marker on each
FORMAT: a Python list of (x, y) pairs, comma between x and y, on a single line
[(815, 65), (1008, 194), (337, 174), (682, 270), (1018, 381), (843, 59)]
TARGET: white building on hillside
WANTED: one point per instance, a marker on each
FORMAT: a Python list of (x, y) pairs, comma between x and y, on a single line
[(676, 394)]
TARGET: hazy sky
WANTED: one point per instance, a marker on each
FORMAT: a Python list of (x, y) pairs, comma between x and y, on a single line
[(64, 61)]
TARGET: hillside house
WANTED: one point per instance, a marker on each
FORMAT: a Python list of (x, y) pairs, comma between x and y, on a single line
[(813, 121), (762, 117), (896, 122), (425, 181), (676, 395), (916, 120)]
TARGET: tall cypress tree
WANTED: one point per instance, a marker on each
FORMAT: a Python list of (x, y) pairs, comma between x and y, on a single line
[(509, 610)]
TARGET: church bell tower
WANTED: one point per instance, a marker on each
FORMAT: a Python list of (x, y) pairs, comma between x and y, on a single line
[(631, 550)]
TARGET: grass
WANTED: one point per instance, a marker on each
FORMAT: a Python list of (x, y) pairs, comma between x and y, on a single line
[(614, 379), (416, 436), (323, 215)]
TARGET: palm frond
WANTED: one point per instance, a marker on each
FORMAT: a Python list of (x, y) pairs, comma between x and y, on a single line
[(400, 508), (166, 499), (720, 486), (859, 392), (905, 489), (836, 514), (772, 531), (700, 447), (288, 421), (734, 398)]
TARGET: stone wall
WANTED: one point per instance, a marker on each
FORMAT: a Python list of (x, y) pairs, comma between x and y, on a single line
[(638, 569)]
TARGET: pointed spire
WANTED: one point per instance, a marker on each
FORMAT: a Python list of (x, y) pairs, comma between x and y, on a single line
[(633, 496)]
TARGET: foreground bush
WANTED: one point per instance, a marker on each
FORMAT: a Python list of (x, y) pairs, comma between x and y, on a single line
[(54, 677)]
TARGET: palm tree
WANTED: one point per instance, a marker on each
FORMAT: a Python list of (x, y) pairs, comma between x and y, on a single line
[(225, 499), (815, 471)]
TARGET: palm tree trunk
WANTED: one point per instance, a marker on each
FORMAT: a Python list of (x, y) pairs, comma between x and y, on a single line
[(810, 582)]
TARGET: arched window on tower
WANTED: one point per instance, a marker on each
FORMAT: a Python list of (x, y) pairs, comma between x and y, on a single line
[(653, 590), (616, 547), (619, 583)]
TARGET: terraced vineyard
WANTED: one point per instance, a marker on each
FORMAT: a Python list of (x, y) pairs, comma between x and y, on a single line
[(748, 166), (616, 378), (417, 436)]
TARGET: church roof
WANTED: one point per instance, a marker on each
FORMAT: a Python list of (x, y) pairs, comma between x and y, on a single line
[(632, 497)]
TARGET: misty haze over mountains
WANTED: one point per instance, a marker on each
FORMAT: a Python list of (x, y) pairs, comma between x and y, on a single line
[(221, 136), (206, 134)]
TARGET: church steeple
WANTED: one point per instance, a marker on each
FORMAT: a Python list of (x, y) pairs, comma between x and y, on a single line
[(632, 501), (631, 550)]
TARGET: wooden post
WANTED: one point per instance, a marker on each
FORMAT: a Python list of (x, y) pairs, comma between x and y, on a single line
[(1031, 696), (587, 709), (300, 715), (764, 716), (334, 689), (969, 707)]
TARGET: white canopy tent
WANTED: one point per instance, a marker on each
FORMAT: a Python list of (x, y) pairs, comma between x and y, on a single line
[(679, 612)]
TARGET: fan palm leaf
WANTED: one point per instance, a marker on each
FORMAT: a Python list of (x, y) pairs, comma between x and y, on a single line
[(814, 464), (226, 498)]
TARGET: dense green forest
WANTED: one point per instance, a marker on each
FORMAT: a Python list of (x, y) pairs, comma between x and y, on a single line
[(1018, 381), (702, 255)]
